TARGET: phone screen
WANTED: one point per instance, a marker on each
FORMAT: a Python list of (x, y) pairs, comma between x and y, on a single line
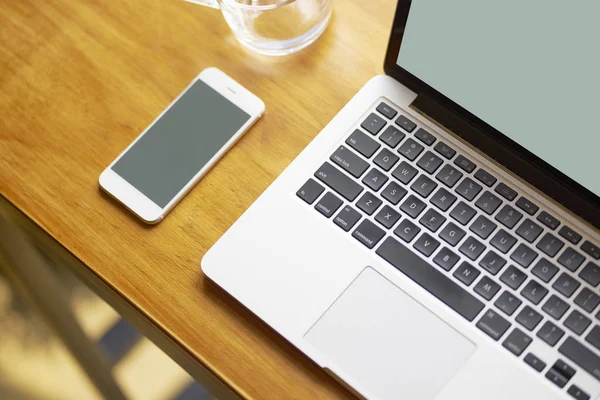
[(180, 143)]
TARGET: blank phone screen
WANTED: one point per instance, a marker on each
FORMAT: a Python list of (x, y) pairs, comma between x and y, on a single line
[(180, 143)]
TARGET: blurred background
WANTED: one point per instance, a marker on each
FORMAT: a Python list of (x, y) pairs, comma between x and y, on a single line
[(35, 364)]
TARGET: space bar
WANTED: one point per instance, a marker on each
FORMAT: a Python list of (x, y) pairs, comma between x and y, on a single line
[(431, 279)]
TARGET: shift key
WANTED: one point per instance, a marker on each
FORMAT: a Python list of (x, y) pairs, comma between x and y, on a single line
[(338, 181), (349, 161)]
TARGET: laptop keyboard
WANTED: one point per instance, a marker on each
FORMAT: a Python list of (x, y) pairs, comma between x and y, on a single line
[(487, 252)]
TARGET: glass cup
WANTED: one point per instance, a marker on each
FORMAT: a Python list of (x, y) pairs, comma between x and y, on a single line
[(274, 27)]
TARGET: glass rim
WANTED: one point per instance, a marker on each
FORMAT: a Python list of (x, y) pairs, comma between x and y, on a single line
[(257, 5)]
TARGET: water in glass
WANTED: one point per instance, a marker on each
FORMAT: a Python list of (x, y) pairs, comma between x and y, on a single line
[(274, 27)]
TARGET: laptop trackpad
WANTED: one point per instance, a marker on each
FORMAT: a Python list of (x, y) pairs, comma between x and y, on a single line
[(387, 342)]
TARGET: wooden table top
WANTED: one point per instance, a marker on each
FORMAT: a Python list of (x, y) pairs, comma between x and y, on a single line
[(79, 80)]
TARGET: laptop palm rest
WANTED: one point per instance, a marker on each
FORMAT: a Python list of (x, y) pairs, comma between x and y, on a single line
[(387, 342)]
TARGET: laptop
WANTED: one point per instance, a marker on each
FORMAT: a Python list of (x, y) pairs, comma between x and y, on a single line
[(440, 237)]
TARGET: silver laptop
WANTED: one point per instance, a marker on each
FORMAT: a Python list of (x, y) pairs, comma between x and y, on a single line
[(439, 239)]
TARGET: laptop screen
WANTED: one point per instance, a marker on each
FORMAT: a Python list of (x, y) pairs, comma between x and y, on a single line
[(529, 69)]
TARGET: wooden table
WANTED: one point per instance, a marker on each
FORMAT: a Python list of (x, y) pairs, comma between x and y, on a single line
[(79, 80)]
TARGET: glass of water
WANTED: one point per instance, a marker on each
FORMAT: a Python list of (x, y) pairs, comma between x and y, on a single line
[(274, 27)]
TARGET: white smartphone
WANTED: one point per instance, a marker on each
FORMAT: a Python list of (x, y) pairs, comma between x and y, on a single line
[(163, 163)]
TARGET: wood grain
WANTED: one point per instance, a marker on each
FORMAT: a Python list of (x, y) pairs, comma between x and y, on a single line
[(79, 80)]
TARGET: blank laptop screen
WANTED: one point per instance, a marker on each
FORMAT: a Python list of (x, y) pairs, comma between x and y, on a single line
[(530, 69)]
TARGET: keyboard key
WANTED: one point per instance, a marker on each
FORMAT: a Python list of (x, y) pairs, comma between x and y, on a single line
[(410, 149), (507, 192), (485, 177), (472, 248), (406, 123), (508, 303), (529, 230), (362, 143), (462, 213), (591, 274), (430, 278), (373, 124), (534, 292), (503, 241), (488, 202), (375, 179), (483, 227), (492, 262), (446, 259), (328, 204), (587, 300), (548, 220), (534, 362), (429, 162), (368, 233), (517, 342), (508, 216), (386, 110), (581, 356), (425, 136), (413, 206), (556, 377), (347, 218), (392, 136), (593, 337), (424, 186), (338, 181), (404, 172), (466, 273), (386, 159), (527, 206), (445, 150), (310, 191), (465, 164), (550, 333), (486, 288), (544, 270), (591, 249), (426, 244), (571, 259), (493, 324), (452, 234), (449, 175), (523, 256), (565, 369), (569, 234), (513, 277), (577, 393), (529, 318), (349, 161), (555, 307), (577, 322), (468, 189), (387, 216), (369, 203), (393, 193), (432, 220), (550, 244), (407, 231), (566, 285), (443, 199)]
